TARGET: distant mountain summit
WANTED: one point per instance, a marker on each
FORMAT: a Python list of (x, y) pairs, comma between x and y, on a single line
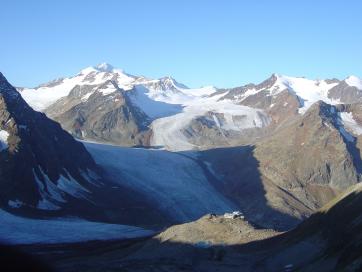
[(104, 67)]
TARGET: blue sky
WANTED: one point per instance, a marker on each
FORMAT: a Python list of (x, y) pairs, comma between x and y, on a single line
[(221, 43)]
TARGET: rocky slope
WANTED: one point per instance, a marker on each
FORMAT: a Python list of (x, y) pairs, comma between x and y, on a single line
[(330, 240), (106, 115), (42, 166), (293, 171)]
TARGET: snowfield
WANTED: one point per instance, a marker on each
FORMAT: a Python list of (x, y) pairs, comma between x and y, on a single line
[(176, 182), (21, 230), (310, 91), (142, 98)]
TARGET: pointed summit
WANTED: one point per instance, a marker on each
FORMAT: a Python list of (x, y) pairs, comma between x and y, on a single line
[(170, 82), (269, 82)]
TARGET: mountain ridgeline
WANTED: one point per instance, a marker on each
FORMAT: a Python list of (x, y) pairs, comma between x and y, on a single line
[(282, 148)]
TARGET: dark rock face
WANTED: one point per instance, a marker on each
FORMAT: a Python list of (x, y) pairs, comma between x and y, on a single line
[(101, 117), (38, 149)]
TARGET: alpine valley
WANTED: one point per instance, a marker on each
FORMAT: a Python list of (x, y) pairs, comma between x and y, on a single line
[(108, 171)]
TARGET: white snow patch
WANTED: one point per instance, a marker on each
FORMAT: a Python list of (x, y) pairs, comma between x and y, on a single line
[(3, 139), (234, 215), (106, 90), (86, 96), (328, 125), (49, 193), (21, 230), (46, 204), (52, 194), (72, 187), (15, 203), (350, 123), (217, 122), (354, 81)]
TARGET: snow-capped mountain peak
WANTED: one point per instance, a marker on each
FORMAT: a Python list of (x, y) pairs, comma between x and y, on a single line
[(309, 91), (104, 67), (170, 83), (101, 68), (354, 81)]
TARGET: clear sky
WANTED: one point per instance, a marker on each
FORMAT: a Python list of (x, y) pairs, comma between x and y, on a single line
[(222, 43)]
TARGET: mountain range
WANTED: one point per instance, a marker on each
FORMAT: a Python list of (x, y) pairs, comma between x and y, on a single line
[(288, 143), (110, 147)]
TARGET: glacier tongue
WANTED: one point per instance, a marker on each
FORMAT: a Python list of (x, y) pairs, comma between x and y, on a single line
[(175, 182)]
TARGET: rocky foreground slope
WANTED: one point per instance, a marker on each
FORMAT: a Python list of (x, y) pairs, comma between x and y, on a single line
[(330, 240), (42, 166)]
